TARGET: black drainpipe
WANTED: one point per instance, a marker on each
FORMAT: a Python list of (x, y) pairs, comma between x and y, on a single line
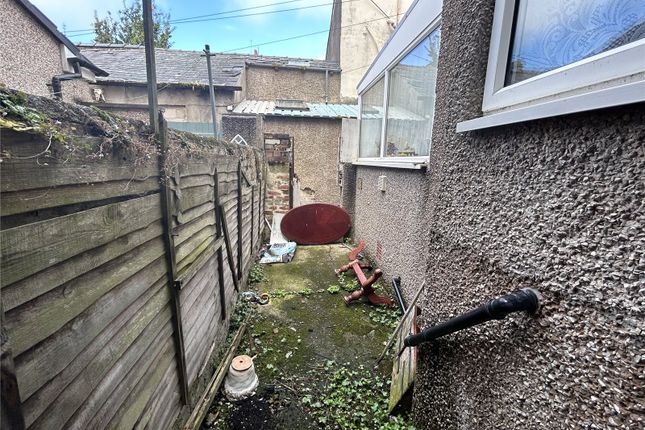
[(526, 299), (57, 88), (396, 286)]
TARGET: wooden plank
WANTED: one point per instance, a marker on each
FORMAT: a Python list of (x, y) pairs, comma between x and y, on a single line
[(40, 318), (191, 214), (160, 399), (202, 311), (205, 167), (168, 415), (30, 200), (196, 253), (11, 408), (200, 410), (193, 197), (28, 289), (202, 284), (33, 247), (193, 242), (189, 272), (117, 335), (134, 404), (99, 398), (28, 175), (196, 181), (196, 345)]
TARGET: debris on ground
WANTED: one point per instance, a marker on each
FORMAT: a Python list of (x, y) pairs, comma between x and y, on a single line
[(312, 354)]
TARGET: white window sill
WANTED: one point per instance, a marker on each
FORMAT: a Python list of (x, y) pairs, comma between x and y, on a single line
[(633, 92), (396, 163)]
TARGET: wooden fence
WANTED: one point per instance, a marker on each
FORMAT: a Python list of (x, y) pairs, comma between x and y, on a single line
[(116, 280)]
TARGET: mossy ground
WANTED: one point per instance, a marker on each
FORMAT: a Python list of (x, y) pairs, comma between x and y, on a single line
[(301, 339)]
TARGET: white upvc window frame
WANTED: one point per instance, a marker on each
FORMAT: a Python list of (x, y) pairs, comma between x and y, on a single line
[(415, 162), (611, 78)]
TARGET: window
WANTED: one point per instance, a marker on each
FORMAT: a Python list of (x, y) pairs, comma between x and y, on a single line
[(407, 90), (371, 121), (551, 57), (410, 108)]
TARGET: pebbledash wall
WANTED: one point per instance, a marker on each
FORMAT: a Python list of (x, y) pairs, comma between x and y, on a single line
[(392, 222), (554, 204), (292, 83), (30, 55)]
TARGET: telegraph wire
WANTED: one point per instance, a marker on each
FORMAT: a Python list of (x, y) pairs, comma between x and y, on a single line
[(198, 18)]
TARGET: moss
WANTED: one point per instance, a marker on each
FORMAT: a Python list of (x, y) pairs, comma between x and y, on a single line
[(103, 115), (16, 115), (303, 332)]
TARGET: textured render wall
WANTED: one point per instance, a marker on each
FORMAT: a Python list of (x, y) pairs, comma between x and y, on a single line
[(553, 204), (395, 219), (29, 55), (244, 125), (76, 90), (268, 83), (315, 155)]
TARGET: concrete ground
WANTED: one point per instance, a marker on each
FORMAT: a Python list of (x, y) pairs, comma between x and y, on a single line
[(308, 346)]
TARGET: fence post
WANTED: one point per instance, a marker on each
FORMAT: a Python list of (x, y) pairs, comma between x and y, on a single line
[(219, 217), (171, 262), (239, 218)]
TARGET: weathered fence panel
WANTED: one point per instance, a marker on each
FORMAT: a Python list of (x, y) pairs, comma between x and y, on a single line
[(91, 308)]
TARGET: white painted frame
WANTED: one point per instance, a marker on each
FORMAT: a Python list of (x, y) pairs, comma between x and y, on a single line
[(389, 57), (611, 78)]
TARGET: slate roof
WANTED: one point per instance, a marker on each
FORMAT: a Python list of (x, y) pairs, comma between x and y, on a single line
[(127, 63), (314, 110)]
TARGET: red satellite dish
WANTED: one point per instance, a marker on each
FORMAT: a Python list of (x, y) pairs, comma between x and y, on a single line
[(315, 224)]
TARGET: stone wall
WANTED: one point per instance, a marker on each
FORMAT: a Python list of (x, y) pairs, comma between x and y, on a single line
[(268, 83), (315, 155), (29, 56), (554, 204)]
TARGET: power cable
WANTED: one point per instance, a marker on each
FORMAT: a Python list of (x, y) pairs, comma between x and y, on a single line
[(309, 34), (198, 18)]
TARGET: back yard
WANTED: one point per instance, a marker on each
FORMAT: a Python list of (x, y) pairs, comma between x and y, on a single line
[(313, 354)]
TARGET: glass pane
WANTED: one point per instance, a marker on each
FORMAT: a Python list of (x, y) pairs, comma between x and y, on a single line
[(410, 108), (371, 121), (553, 33)]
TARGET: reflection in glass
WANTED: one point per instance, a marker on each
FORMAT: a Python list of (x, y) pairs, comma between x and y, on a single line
[(411, 98), (371, 121), (553, 33)]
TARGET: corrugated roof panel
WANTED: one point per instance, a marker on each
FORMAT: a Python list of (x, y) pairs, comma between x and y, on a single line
[(316, 110)]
